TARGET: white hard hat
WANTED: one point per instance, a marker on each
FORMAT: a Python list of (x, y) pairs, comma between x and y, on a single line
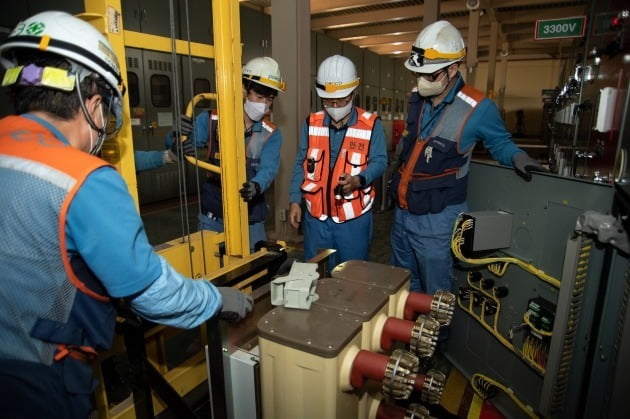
[(67, 36), (437, 46), (336, 77), (264, 71)]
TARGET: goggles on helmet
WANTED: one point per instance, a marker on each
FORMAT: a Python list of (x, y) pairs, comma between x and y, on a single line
[(420, 55)]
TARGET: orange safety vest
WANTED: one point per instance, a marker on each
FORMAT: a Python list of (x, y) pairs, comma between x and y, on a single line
[(64, 168), (319, 183), (34, 142)]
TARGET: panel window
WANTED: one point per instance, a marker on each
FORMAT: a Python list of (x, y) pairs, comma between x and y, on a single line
[(160, 91), (133, 87)]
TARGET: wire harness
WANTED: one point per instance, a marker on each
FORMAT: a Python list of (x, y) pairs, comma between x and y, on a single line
[(497, 265)]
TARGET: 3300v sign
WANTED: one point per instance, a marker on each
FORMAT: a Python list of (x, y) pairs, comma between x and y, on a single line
[(568, 27)]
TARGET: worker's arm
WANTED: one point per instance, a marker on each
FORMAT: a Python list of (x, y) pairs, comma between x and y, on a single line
[(104, 227)]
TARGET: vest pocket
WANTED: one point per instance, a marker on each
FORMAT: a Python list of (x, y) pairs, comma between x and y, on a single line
[(354, 162), (429, 195), (314, 165), (437, 156), (314, 196)]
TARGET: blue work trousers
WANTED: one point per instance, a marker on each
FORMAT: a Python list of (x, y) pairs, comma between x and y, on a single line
[(30, 390), (422, 244), (350, 239)]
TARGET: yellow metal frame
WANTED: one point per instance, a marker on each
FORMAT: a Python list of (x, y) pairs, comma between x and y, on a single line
[(106, 16), (227, 41), (159, 43), (189, 112)]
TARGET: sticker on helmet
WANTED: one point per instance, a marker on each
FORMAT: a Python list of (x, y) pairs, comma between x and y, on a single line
[(35, 28)]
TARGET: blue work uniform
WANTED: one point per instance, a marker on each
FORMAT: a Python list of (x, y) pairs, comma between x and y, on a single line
[(431, 184), (351, 239), (69, 243), (147, 160), (262, 142)]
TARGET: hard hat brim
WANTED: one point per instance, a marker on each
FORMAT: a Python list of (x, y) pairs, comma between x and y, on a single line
[(335, 95)]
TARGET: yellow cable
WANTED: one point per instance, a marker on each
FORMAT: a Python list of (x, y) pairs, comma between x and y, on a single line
[(494, 329), (457, 240), (498, 268), (481, 384), (498, 335), (534, 328)]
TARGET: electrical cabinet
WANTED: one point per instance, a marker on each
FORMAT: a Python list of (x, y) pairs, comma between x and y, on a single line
[(372, 65), (256, 34), (151, 17), (199, 15), (495, 331)]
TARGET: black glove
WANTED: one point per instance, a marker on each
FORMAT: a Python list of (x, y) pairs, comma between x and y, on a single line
[(236, 304), (249, 190), (186, 123), (186, 126), (188, 147), (525, 165)]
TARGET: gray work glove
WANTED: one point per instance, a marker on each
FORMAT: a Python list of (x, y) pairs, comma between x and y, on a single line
[(236, 304), (249, 190), (525, 165)]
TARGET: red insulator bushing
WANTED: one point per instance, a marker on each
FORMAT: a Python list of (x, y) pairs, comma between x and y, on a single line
[(417, 302), (396, 330), (368, 365)]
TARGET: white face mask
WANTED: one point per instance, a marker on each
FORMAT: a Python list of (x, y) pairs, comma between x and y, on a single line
[(255, 110), (337, 114), (431, 88)]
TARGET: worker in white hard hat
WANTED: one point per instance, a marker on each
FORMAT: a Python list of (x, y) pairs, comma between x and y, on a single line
[(72, 239), (342, 152), (447, 118), (262, 82)]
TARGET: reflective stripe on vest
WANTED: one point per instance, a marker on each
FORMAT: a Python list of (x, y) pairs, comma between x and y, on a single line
[(319, 181)]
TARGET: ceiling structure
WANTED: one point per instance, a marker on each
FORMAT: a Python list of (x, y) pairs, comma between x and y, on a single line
[(389, 27)]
